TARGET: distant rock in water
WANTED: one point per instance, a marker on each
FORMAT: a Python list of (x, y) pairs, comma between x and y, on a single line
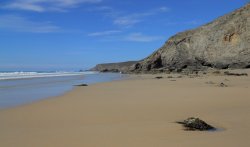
[(114, 67), (196, 124), (81, 85), (223, 43)]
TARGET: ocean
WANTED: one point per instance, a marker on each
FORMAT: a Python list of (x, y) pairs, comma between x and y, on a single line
[(18, 88)]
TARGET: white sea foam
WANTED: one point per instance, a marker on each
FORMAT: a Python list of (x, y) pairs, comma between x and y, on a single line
[(25, 75)]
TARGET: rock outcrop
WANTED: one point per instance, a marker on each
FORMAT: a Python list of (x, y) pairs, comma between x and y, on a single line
[(114, 67), (223, 43)]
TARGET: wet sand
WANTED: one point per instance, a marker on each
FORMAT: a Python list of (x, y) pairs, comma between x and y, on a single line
[(139, 112)]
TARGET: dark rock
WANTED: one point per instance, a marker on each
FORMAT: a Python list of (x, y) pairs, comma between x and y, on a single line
[(196, 124), (223, 85), (159, 77), (81, 85), (247, 66), (104, 70), (110, 70), (235, 74)]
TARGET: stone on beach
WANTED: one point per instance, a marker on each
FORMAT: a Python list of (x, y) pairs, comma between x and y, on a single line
[(223, 85), (159, 77), (235, 74), (196, 124)]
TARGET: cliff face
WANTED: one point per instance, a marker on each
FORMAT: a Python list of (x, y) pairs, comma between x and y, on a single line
[(114, 67), (223, 43)]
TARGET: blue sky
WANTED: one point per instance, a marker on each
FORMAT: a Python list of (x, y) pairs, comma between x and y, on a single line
[(77, 34)]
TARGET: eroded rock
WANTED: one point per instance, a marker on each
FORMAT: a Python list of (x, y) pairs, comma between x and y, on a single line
[(223, 43)]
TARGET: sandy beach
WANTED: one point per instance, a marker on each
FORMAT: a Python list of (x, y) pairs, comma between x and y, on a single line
[(138, 112)]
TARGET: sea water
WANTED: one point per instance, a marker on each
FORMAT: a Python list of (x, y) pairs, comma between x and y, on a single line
[(18, 88)]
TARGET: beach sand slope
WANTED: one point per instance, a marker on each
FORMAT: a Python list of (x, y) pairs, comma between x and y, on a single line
[(140, 112)]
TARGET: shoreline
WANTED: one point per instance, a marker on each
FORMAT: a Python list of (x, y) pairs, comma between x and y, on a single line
[(58, 96), (20, 92), (139, 111)]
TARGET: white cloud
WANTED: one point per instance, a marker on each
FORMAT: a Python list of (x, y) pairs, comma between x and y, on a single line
[(46, 5), (25, 6), (139, 37), (164, 9), (116, 35), (132, 19), (126, 21), (104, 33), (100, 8), (21, 24)]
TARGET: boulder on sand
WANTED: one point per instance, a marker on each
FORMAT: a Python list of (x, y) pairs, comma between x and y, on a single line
[(196, 124)]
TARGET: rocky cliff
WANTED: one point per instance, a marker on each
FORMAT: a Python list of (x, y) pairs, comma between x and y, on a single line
[(223, 43), (114, 67)]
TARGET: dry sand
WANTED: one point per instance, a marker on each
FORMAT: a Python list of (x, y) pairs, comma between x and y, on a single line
[(139, 112)]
